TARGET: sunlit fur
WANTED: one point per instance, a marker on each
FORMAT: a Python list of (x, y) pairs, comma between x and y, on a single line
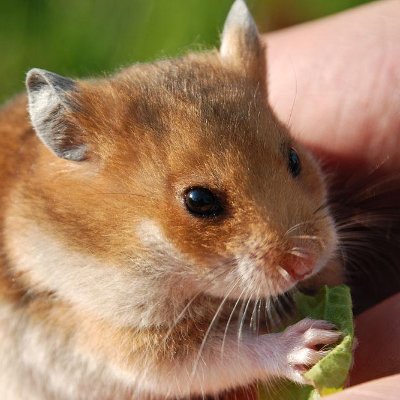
[(110, 288)]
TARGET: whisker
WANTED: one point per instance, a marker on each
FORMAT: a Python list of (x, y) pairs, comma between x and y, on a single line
[(216, 315), (298, 252), (295, 227), (322, 207), (306, 237), (229, 321), (212, 275), (240, 329), (253, 318), (285, 275)]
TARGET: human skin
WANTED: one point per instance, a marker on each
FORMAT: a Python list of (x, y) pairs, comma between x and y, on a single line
[(376, 356), (378, 333), (336, 82)]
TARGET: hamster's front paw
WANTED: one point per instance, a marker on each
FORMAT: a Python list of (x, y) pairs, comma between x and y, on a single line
[(305, 342)]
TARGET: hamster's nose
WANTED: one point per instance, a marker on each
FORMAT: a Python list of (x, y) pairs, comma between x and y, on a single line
[(298, 266)]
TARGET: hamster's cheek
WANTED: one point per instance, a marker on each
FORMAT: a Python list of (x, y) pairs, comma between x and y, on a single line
[(198, 269), (178, 251), (127, 293), (150, 234), (71, 275)]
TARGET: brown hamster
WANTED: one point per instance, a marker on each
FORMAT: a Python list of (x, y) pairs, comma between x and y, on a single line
[(142, 216)]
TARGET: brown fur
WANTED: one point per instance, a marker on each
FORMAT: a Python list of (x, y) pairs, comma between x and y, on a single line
[(152, 130)]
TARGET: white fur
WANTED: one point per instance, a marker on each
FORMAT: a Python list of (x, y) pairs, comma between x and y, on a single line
[(239, 30), (58, 369), (138, 295), (41, 103), (51, 367), (38, 364)]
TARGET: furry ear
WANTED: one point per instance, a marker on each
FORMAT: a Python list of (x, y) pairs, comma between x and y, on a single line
[(50, 100), (240, 43)]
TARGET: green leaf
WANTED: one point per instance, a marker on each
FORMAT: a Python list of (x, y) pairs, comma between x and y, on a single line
[(330, 374)]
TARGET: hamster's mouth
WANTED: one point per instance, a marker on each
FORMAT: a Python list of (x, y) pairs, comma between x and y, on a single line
[(291, 278), (285, 283), (280, 280), (252, 277), (298, 267)]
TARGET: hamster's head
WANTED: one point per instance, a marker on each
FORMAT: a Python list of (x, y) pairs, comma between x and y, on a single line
[(175, 178)]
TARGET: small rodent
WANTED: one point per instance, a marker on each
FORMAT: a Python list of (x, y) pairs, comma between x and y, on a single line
[(143, 216)]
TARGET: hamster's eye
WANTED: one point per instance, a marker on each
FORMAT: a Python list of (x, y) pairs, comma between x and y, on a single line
[(202, 202), (294, 163)]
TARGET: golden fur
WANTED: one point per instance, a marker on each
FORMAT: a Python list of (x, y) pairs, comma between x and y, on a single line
[(100, 258)]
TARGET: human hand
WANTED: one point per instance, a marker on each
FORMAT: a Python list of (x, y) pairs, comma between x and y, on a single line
[(336, 82), (377, 356)]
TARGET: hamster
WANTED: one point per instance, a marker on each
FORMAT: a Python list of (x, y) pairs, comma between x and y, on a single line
[(145, 217)]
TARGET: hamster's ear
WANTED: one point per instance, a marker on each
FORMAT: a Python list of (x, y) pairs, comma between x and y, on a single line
[(51, 100), (241, 46)]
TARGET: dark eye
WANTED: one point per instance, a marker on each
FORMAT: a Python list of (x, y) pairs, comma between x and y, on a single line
[(202, 202), (294, 163)]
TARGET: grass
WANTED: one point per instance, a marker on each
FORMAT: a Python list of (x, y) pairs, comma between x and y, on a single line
[(87, 37)]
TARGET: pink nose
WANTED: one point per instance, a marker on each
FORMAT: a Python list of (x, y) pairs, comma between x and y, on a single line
[(298, 267)]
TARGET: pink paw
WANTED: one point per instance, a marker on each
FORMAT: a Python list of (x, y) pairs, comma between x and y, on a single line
[(306, 342)]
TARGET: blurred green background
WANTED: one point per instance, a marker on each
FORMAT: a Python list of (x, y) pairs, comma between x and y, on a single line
[(87, 37)]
